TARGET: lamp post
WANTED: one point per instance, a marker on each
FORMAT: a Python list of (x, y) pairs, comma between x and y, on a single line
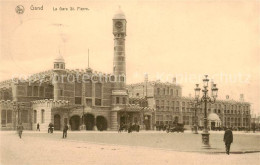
[(17, 107), (205, 99), (195, 105)]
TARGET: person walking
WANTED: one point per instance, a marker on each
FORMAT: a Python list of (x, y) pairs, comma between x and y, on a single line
[(228, 139), (38, 127), (65, 129), (20, 130)]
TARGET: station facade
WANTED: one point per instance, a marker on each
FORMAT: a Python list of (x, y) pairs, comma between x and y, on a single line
[(84, 99)]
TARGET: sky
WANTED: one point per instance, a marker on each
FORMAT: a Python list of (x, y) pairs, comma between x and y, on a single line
[(185, 39)]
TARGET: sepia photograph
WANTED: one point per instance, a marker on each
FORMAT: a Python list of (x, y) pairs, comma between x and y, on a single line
[(130, 82)]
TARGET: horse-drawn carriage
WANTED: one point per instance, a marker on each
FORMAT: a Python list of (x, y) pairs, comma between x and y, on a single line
[(175, 128)]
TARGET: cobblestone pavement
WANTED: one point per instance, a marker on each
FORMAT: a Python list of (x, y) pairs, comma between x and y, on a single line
[(80, 148)]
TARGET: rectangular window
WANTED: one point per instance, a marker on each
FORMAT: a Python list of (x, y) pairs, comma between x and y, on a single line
[(41, 91), (29, 91), (98, 89), (9, 116), (158, 91), (88, 89), (78, 100), (98, 102), (35, 91), (117, 100), (24, 116), (78, 89), (124, 100)]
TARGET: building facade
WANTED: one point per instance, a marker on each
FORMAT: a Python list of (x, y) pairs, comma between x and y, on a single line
[(171, 106), (84, 99)]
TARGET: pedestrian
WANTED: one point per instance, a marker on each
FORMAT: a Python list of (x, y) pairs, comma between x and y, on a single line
[(228, 139), (20, 130), (65, 129), (49, 128), (38, 127)]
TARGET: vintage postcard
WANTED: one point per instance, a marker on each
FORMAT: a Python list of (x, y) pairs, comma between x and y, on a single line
[(129, 82)]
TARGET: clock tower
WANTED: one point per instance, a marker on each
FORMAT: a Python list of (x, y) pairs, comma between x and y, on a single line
[(119, 93), (119, 31)]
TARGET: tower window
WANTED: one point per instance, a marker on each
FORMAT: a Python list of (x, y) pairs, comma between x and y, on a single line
[(117, 100), (61, 92)]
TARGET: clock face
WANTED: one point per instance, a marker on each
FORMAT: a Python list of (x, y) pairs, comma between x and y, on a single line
[(119, 25)]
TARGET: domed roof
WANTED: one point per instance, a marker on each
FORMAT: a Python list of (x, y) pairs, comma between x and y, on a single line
[(213, 116), (119, 14), (59, 59)]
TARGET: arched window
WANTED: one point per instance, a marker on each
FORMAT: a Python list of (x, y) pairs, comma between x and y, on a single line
[(3, 118), (35, 91), (42, 116), (34, 116), (25, 116)]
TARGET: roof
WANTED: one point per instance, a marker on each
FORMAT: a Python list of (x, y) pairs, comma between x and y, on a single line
[(213, 117), (119, 14), (59, 59)]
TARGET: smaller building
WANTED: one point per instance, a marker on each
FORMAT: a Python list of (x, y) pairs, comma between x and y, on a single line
[(170, 106)]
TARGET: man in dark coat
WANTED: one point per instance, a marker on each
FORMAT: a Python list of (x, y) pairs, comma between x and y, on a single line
[(65, 129), (228, 139), (38, 127), (20, 130)]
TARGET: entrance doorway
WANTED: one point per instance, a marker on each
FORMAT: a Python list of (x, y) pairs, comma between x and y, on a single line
[(75, 122), (213, 125), (89, 121), (56, 122), (147, 122), (122, 120), (101, 123)]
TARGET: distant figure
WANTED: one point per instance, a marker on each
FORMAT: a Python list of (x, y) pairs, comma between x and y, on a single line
[(38, 127), (65, 129), (50, 130), (20, 130), (228, 139)]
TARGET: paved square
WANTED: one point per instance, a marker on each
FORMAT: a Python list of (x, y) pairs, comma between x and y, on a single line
[(123, 148)]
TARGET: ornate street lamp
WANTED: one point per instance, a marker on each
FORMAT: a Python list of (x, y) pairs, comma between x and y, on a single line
[(206, 99)]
